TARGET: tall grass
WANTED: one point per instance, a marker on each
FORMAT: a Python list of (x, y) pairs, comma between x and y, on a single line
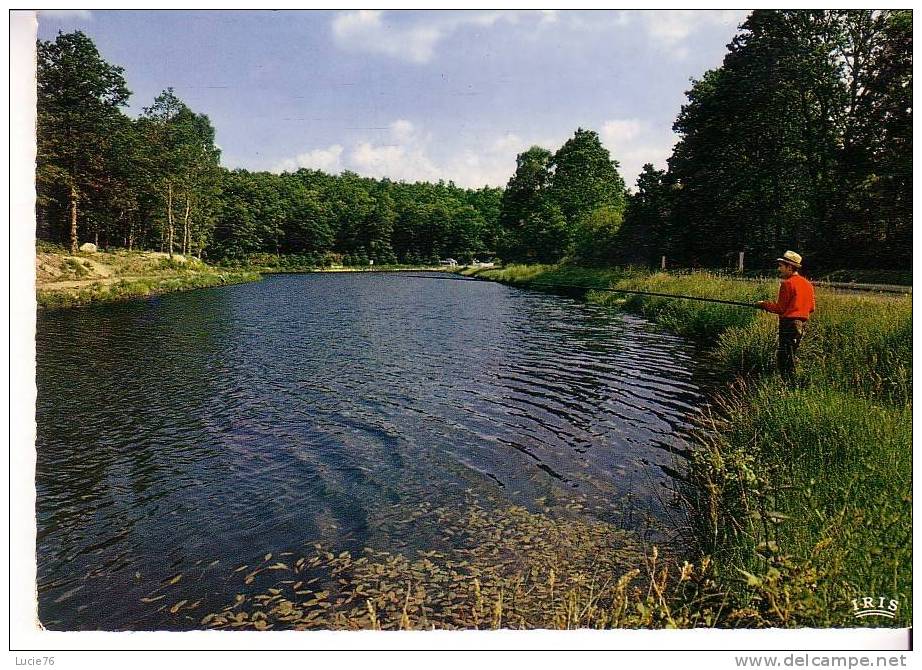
[(801, 494), (125, 289)]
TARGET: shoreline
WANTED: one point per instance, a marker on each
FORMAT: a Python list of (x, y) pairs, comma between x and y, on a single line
[(108, 284), (781, 494), (135, 288), (269, 270), (63, 280)]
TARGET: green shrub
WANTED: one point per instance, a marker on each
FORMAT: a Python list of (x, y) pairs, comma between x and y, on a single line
[(829, 482)]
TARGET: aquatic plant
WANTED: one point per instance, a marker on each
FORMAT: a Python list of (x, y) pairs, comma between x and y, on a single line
[(800, 495), (510, 569)]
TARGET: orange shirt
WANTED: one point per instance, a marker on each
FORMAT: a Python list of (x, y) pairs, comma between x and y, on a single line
[(795, 299)]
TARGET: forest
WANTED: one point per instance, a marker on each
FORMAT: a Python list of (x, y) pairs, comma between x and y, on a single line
[(801, 139)]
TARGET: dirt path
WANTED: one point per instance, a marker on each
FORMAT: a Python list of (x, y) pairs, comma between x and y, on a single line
[(80, 283)]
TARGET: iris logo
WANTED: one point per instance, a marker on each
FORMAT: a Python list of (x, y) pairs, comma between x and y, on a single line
[(862, 607)]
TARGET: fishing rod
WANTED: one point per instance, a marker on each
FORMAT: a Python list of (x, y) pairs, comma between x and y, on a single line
[(662, 295), (608, 290)]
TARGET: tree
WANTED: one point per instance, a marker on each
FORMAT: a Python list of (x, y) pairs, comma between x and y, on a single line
[(801, 139), (712, 167), (352, 208), (181, 163), (875, 164), (596, 240), (118, 193), (545, 234), (79, 100), (199, 158), (465, 233), (305, 225), (754, 164), (250, 215), (159, 124), (585, 177), (524, 200), (488, 202), (550, 195), (645, 233)]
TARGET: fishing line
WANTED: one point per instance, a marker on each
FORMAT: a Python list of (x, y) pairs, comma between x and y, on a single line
[(662, 295), (608, 290)]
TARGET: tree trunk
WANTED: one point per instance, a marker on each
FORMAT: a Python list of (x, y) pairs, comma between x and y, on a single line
[(121, 228), (186, 241), (73, 220), (169, 218)]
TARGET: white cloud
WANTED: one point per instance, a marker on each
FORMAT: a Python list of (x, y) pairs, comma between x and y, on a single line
[(328, 160), (669, 29), (492, 161), (369, 31), (374, 31), (405, 156), (395, 161), (487, 166), (365, 31), (633, 142), (402, 130), (66, 14), (617, 131), (665, 30), (409, 152), (671, 26), (510, 142)]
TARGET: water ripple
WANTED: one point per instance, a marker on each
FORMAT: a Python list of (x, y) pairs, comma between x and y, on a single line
[(223, 424)]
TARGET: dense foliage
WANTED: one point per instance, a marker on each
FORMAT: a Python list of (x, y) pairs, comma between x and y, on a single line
[(802, 139), (355, 219), (155, 183), (79, 131), (569, 203)]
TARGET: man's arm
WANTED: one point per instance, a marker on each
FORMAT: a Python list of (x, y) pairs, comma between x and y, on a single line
[(784, 299)]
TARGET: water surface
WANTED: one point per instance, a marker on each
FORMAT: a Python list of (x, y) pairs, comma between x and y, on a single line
[(186, 435)]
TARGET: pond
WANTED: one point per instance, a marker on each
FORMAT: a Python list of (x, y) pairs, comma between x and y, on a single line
[(182, 436)]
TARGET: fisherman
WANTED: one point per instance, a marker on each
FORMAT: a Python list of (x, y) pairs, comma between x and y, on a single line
[(795, 305)]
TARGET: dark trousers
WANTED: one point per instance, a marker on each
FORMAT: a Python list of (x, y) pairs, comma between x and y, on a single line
[(790, 333)]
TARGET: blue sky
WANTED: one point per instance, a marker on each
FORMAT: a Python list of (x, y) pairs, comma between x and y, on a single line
[(410, 95)]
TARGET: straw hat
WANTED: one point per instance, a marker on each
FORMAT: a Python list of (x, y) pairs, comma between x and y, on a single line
[(790, 258)]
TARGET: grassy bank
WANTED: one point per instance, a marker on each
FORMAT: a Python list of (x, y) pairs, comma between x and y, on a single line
[(138, 288), (65, 280), (801, 496)]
